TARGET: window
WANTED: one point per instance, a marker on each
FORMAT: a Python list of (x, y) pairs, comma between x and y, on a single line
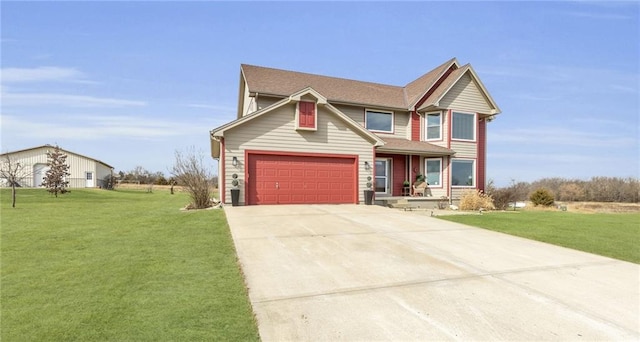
[(463, 172), (306, 115), (434, 171), (383, 175), (434, 127), (464, 126), (379, 121)]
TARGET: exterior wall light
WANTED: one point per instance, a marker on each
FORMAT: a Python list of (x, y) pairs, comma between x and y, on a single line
[(234, 161), (367, 166)]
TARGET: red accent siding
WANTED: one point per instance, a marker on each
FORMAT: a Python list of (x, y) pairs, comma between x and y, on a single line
[(293, 178), (415, 126), (415, 118), (450, 127), (398, 172), (482, 155), (221, 170), (415, 168), (307, 114)]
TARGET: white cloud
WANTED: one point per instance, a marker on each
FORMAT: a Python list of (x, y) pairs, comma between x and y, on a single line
[(561, 137), (103, 127), (602, 16), (48, 99), (219, 108), (40, 74)]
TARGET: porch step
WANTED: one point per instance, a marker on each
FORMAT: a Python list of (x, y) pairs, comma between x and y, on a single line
[(410, 203)]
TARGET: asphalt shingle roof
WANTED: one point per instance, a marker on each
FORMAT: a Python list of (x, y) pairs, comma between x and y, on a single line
[(420, 147), (282, 83)]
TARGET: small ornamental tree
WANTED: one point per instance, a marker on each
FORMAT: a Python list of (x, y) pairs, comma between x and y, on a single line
[(542, 196), (55, 179), (14, 173), (190, 172)]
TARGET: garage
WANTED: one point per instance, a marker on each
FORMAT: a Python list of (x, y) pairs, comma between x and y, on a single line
[(301, 179)]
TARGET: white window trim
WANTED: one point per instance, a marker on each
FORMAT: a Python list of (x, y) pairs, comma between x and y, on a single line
[(393, 119), (426, 126), (475, 125), (426, 173), (473, 173), (315, 117)]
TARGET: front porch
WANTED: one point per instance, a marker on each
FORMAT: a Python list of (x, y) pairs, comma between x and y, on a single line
[(412, 202)]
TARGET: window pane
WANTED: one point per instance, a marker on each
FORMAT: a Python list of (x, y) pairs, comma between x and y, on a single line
[(463, 126), (433, 126), (377, 121), (380, 184), (381, 168), (433, 171), (462, 172)]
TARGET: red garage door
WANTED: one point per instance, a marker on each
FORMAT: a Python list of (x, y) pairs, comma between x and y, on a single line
[(278, 179)]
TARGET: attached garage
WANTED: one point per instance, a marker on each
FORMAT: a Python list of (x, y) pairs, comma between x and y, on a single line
[(274, 178)]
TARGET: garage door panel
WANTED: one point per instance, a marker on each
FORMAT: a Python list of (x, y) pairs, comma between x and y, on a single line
[(301, 179)]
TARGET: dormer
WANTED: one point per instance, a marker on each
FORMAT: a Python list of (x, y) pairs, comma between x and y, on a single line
[(307, 101)]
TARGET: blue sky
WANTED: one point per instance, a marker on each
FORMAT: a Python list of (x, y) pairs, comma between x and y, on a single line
[(130, 83)]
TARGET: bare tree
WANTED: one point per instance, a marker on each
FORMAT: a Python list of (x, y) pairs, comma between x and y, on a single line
[(14, 173), (55, 179), (190, 172)]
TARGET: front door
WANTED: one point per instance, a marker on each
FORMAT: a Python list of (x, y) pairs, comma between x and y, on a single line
[(89, 178), (383, 176)]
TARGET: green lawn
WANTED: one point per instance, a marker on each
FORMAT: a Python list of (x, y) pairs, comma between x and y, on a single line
[(97, 265), (612, 235)]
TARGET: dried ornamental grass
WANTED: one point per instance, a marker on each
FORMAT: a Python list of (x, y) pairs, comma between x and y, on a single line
[(476, 200)]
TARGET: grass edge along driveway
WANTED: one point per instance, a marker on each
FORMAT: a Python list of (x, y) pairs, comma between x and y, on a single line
[(97, 265), (612, 235)]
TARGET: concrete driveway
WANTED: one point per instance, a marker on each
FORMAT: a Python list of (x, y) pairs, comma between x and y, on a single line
[(362, 273)]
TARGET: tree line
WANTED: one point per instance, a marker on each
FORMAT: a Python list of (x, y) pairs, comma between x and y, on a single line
[(596, 189), (140, 175)]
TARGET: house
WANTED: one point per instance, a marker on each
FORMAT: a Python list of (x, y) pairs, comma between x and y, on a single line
[(86, 172), (305, 138)]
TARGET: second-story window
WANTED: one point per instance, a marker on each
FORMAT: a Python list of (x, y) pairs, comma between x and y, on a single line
[(434, 126), (379, 121), (464, 126)]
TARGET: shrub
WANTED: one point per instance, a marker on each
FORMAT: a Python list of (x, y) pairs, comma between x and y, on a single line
[(502, 197), (542, 196), (475, 199)]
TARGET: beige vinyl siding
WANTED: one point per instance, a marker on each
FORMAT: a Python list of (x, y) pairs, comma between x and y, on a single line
[(78, 166), (354, 112), (401, 119), (266, 101), (464, 149), (275, 131), (466, 96), (248, 102)]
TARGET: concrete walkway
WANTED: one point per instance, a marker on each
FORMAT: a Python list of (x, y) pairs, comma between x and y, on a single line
[(363, 273)]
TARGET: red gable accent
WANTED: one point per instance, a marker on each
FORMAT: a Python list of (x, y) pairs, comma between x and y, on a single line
[(415, 118), (307, 115), (482, 155)]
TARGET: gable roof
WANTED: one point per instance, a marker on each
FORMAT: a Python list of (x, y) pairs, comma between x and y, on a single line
[(61, 149), (296, 97), (419, 87), (434, 99), (282, 83)]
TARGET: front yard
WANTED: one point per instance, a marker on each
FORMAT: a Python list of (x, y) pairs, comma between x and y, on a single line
[(97, 265), (613, 235)]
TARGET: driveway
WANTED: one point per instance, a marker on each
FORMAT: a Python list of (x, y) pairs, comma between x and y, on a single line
[(362, 273)]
